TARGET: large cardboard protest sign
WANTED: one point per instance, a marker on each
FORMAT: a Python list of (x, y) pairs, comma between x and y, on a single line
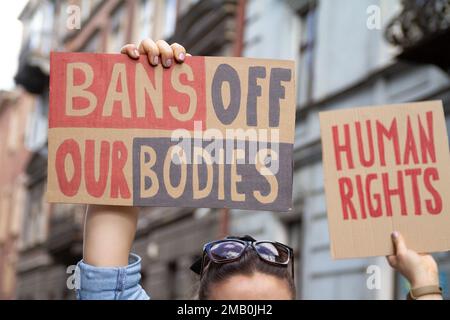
[(211, 132), (386, 168)]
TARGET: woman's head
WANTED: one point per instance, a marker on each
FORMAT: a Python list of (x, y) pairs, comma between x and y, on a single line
[(251, 271)]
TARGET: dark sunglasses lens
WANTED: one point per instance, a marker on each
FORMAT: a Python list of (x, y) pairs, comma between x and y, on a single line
[(272, 252), (226, 250)]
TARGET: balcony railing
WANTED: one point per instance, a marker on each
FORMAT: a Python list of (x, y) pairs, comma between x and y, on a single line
[(418, 20), (207, 26), (422, 31), (33, 70)]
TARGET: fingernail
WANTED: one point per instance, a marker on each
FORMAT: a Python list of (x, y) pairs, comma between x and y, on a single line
[(181, 56), (136, 53), (394, 234), (155, 60), (168, 62)]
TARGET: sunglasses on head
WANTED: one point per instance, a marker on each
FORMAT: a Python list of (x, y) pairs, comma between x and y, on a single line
[(232, 249)]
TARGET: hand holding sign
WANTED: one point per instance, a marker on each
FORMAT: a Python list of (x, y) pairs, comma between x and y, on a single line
[(110, 230), (420, 269), (159, 51), (386, 168)]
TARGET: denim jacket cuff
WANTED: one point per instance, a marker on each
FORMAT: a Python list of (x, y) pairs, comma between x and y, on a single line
[(111, 282)]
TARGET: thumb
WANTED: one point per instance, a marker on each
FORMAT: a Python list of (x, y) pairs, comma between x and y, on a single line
[(392, 260), (399, 243)]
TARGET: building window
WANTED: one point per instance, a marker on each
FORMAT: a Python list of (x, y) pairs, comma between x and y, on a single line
[(146, 17), (93, 44), (185, 5), (36, 132), (117, 33), (87, 6), (170, 17), (47, 29), (41, 28), (308, 23)]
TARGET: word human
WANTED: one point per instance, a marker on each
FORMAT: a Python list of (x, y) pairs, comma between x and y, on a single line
[(360, 147)]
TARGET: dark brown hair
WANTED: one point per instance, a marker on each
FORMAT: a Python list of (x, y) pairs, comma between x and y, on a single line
[(248, 264)]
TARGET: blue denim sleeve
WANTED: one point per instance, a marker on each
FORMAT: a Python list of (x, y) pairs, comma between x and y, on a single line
[(115, 283)]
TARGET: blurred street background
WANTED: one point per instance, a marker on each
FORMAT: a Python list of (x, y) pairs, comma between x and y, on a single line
[(349, 53)]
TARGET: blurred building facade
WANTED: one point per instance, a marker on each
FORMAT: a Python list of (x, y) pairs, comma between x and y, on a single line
[(15, 109), (342, 61)]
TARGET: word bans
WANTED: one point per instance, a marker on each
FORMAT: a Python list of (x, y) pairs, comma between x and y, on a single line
[(113, 91), (164, 176)]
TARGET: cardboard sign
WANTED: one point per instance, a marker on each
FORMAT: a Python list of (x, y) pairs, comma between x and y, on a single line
[(211, 132), (386, 168)]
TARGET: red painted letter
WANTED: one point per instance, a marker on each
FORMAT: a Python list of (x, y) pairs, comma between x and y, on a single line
[(342, 148), (362, 159), (119, 184), (68, 147), (346, 191), (94, 187), (410, 145), (432, 174), (399, 191), (427, 142), (415, 188), (391, 134)]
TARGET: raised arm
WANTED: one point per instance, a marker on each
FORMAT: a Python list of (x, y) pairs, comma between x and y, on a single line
[(110, 230), (108, 235), (108, 270)]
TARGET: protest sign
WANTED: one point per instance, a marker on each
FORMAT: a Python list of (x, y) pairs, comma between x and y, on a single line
[(386, 168), (211, 132)]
